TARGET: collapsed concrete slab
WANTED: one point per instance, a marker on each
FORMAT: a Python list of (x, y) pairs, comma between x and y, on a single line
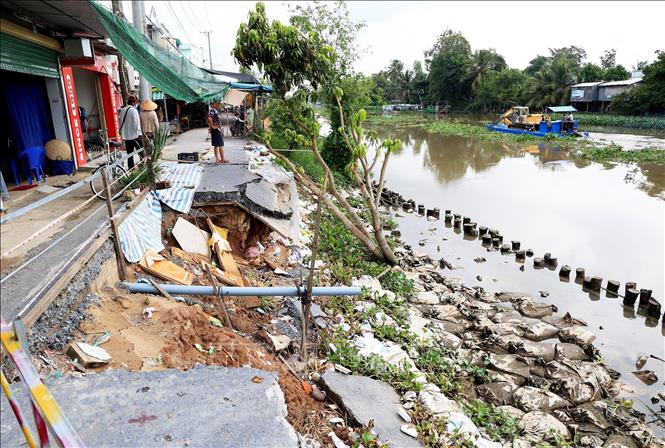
[(205, 406), (369, 399), (255, 184)]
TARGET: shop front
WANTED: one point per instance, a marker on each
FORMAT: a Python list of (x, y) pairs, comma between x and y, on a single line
[(32, 104), (92, 103)]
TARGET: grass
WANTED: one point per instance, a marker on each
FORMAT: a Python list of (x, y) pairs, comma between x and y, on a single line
[(497, 424), (623, 121), (616, 154)]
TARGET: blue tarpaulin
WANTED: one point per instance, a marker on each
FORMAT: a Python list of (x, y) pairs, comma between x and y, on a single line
[(250, 87)]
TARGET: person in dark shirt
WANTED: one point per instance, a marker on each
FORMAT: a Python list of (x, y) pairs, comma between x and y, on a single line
[(215, 129)]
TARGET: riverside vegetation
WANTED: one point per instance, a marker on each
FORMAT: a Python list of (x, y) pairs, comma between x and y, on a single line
[(578, 146)]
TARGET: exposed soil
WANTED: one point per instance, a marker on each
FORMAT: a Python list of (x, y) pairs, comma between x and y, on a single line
[(168, 340)]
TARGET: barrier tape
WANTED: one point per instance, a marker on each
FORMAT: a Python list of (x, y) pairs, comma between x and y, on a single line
[(17, 411), (44, 405)]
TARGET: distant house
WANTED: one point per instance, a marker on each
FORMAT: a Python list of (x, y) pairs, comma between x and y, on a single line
[(607, 90), (584, 96), (596, 96)]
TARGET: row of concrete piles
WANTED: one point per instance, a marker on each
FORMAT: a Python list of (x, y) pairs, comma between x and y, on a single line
[(492, 238)]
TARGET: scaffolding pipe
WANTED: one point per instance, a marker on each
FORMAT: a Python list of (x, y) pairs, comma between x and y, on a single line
[(238, 291)]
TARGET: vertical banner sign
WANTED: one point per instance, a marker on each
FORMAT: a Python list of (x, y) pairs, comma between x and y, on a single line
[(74, 119), (110, 105)]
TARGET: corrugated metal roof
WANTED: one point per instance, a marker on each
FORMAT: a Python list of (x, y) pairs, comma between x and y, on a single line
[(588, 84), (625, 82), (561, 109)]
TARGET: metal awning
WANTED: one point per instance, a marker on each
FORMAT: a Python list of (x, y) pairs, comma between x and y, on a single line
[(246, 87), (557, 109)]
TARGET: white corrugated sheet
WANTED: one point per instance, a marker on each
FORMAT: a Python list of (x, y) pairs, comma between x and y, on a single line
[(142, 230), (184, 177)]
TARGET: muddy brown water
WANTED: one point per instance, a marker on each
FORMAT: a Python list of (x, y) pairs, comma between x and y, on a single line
[(608, 218)]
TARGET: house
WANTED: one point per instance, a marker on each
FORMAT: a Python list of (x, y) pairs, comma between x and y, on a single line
[(584, 96)]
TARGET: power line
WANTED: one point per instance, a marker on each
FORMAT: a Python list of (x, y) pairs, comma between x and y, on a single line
[(205, 6), (182, 28)]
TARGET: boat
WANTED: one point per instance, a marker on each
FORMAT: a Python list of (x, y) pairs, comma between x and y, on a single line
[(517, 120)]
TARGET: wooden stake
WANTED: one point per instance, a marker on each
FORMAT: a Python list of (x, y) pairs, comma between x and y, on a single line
[(227, 318), (306, 300), (119, 258)]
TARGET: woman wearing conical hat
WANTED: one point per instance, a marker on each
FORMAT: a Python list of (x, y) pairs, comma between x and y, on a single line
[(149, 120)]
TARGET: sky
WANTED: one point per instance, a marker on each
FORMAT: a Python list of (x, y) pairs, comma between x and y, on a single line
[(405, 30)]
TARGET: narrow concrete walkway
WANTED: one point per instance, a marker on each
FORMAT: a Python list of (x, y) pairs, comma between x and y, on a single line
[(204, 406)]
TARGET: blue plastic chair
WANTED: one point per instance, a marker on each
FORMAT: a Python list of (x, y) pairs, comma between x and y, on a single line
[(32, 159)]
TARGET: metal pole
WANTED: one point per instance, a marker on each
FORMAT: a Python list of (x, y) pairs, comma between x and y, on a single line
[(138, 18), (207, 33), (120, 260), (245, 291)]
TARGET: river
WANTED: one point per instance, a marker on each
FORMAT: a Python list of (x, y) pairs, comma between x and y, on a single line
[(608, 218)]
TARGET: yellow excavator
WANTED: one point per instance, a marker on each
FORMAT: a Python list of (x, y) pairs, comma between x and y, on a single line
[(519, 117), (518, 120)]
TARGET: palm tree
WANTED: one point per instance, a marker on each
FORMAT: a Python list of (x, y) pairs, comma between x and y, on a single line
[(395, 76), (405, 85), (551, 84), (482, 62)]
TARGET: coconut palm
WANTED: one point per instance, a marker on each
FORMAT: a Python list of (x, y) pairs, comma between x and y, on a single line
[(482, 62), (550, 85)]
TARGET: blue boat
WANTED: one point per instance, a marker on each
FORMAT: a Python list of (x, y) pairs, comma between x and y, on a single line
[(517, 120)]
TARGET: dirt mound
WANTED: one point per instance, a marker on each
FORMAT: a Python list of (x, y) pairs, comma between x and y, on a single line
[(169, 339)]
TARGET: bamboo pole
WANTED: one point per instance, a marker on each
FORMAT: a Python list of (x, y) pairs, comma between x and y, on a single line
[(120, 259)]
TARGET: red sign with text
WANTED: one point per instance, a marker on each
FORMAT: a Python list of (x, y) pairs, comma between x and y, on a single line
[(74, 118)]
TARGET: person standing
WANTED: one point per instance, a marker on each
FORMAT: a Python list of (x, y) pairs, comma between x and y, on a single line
[(215, 129), (149, 119), (130, 128)]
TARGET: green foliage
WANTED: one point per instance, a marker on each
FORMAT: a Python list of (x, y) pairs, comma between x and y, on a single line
[(496, 423), (282, 53), (590, 72), (483, 62), (624, 121), (616, 73), (550, 86), (448, 60), (647, 97), (498, 90), (617, 154), (332, 22), (356, 95), (397, 282)]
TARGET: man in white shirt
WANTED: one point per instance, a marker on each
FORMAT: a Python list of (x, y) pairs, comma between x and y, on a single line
[(130, 128)]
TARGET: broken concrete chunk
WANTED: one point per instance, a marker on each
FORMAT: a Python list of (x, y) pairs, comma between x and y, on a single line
[(190, 238), (541, 331), (530, 399), (538, 425), (426, 298), (577, 335), (279, 342), (368, 399), (87, 355), (409, 429)]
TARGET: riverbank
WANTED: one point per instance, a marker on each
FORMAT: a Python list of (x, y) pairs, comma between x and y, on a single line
[(450, 349), (582, 148)]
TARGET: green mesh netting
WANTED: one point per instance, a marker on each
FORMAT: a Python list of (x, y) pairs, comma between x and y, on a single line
[(172, 73)]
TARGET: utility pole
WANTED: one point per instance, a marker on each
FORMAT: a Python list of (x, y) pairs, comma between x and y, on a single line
[(117, 8), (138, 16), (207, 33)]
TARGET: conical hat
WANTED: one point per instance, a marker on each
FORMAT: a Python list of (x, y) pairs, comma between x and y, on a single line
[(148, 105)]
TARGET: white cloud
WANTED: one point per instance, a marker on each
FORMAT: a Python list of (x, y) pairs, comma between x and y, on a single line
[(404, 30)]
